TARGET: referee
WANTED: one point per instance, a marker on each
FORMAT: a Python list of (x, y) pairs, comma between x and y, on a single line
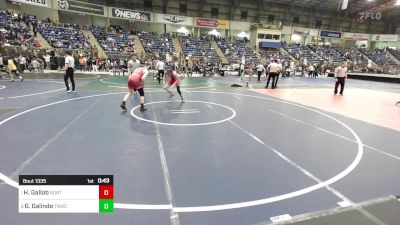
[(69, 71), (340, 75)]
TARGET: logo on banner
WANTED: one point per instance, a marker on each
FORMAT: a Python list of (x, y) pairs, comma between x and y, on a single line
[(370, 15), (33, 2), (174, 19), (212, 23), (384, 37), (331, 34), (127, 14), (62, 4), (355, 36)]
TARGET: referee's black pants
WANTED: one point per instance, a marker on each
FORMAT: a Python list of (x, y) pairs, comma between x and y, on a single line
[(160, 76), (259, 75), (271, 75), (339, 81), (277, 78), (69, 74)]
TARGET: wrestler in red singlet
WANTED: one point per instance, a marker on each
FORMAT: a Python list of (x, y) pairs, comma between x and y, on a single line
[(136, 83)]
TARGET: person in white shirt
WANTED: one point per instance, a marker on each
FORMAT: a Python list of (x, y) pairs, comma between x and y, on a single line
[(22, 63), (47, 61), (69, 71), (311, 70), (273, 71), (241, 71), (341, 76), (133, 64), (160, 66), (260, 70)]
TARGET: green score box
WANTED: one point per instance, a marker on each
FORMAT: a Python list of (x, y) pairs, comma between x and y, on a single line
[(106, 205)]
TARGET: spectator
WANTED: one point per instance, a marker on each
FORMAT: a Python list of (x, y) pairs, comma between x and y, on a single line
[(47, 61)]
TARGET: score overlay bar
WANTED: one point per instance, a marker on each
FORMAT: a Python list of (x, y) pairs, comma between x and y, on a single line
[(66, 194)]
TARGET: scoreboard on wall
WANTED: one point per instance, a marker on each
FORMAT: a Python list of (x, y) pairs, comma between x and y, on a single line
[(66, 193)]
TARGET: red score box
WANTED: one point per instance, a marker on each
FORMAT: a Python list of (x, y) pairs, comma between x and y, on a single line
[(106, 192)]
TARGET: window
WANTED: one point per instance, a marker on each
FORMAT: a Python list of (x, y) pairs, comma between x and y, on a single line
[(296, 20), (271, 18), (148, 4), (243, 15), (260, 36), (214, 12), (182, 8), (318, 23)]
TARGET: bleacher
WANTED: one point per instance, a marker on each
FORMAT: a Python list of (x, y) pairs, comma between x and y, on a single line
[(381, 57), (301, 52), (329, 53), (235, 50), (13, 31), (395, 53), (156, 43), (118, 40), (198, 47), (67, 36), (270, 54)]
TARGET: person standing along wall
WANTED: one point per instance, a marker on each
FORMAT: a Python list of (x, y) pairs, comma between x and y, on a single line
[(133, 64), (341, 76), (69, 71), (260, 70), (22, 63), (160, 67), (47, 60)]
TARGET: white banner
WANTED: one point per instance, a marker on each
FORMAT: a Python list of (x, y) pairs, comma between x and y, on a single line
[(41, 3), (287, 30), (356, 36), (384, 37), (239, 25), (314, 32), (173, 19), (128, 14)]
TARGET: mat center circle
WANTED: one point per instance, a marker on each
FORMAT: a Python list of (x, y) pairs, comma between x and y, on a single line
[(188, 113)]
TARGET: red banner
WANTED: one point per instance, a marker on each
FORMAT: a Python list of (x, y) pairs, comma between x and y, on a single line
[(212, 23)]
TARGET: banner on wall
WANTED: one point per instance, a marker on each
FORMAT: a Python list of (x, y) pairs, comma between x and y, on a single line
[(130, 14), (384, 37), (41, 3), (330, 34), (314, 32), (356, 36), (301, 31), (287, 30), (213, 23), (173, 19), (81, 7), (240, 25)]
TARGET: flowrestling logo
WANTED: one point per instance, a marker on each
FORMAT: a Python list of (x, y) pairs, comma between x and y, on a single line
[(370, 15), (130, 15), (63, 4)]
